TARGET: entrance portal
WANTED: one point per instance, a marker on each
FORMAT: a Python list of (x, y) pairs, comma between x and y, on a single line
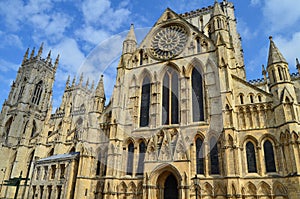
[(171, 188)]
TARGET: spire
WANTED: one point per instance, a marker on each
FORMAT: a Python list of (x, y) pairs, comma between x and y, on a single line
[(68, 81), (81, 79), (129, 44), (87, 83), (131, 34), (217, 9), (275, 55), (298, 65), (25, 56), (100, 89), (49, 56), (32, 53), (73, 82), (41, 50), (56, 62)]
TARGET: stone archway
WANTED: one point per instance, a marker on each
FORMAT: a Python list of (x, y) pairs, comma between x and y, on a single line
[(167, 186)]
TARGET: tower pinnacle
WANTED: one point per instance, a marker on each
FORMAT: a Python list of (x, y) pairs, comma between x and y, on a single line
[(275, 55)]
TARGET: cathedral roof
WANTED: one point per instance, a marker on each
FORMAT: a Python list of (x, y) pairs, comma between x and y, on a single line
[(275, 55)]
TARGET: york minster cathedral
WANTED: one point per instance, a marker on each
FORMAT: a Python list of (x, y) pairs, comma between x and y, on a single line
[(182, 122)]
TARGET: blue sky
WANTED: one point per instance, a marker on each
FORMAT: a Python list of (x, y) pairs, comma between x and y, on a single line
[(88, 34)]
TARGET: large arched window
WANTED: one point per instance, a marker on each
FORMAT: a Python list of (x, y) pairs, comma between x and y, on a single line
[(197, 96), (269, 157), (142, 151), (130, 159), (37, 93), (170, 98), (214, 157), (199, 156), (145, 102), (251, 159)]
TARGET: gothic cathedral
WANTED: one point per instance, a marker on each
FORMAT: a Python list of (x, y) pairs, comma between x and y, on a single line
[(182, 122)]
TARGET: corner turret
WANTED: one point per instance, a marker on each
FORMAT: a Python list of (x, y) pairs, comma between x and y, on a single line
[(130, 43)]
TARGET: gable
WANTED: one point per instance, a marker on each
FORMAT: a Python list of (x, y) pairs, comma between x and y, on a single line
[(173, 37)]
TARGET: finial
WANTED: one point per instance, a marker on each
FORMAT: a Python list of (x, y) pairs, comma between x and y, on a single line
[(25, 56), (49, 56), (87, 83), (264, 72), (74, 80), (41, 49), (298, 65), (68, 81), (56, 62), (32, 53), (81, 79), (271, 38), (297, 61)]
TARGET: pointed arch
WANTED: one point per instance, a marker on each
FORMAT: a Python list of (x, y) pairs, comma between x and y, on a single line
[(269, 156), (130, 155), (208, 189), (122, 187), (264, 189), (279, 189), (250, 189), (145, 102), (170, 97), (214, 156), (251, 157), (197, 95), (131, 187), (142, 151), (37, 93), (199, 155)]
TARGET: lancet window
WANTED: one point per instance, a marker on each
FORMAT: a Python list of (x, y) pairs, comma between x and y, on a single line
[(170, 97), (145, 102), (197, 96)]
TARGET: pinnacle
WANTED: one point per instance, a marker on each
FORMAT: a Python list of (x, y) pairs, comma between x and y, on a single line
[(275, 55), (131, 34)]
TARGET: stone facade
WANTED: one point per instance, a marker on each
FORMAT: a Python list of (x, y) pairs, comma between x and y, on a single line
[(182, 122)]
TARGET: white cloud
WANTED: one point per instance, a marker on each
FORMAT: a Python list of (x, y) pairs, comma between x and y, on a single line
[(281, 14), (289, 47), (8, 39), (92, 35), (71, 56), (92, 10), (102, 13), (6, 66), (244, 30)]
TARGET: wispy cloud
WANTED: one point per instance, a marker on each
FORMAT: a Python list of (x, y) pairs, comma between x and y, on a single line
[(281, 14), (290, 48)]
